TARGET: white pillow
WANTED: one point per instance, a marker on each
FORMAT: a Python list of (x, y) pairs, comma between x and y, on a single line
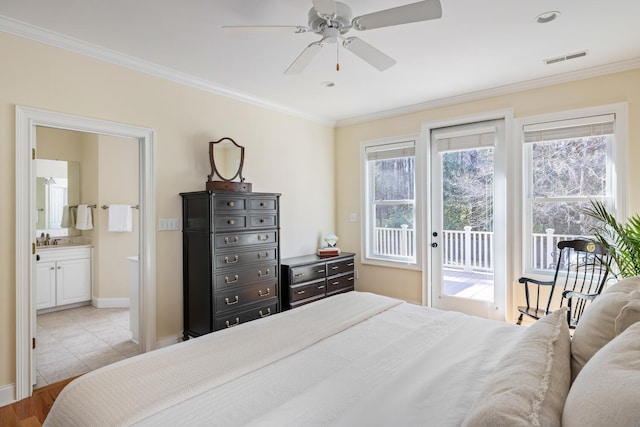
[(607, 391), (626, 285), (609, 315), (531, 381)]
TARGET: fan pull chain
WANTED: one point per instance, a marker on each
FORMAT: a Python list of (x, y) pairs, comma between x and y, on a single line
[(337, 56)]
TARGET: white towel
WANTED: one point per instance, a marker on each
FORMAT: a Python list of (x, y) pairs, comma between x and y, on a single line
[(84, 220), (120, 218)]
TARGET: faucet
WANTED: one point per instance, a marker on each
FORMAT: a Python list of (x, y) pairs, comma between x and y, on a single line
[(55, 241), (47, 240)]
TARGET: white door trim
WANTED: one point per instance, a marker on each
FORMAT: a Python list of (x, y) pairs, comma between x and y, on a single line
[(26, 121)]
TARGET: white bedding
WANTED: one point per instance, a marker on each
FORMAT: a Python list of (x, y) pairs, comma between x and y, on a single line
[(352, 359)]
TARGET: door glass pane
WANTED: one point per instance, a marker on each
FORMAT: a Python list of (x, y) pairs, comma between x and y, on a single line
[(468, 223)]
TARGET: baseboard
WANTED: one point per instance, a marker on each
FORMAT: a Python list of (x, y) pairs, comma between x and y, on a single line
[(110, 302), (7, 394)]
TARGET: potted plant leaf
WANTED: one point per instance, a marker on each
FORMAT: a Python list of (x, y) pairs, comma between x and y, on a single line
[(621, 239)]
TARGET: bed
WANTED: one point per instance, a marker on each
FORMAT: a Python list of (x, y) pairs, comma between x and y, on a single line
[(349, 360)]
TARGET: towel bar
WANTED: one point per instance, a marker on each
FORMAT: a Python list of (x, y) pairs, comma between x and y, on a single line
[(107, 207)]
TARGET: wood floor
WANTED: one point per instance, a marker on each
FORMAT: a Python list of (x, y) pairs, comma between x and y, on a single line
[(32, 411)]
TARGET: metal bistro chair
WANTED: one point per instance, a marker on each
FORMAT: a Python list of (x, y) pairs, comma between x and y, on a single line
[(581, 272)]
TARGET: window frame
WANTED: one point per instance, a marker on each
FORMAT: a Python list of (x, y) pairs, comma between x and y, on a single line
[(367, 205), (616, 170)]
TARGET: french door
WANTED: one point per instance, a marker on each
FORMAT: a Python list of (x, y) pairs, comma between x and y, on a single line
[(468, 223)]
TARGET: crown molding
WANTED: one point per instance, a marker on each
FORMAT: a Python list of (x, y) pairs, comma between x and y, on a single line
[(587, 73), (32, 32)]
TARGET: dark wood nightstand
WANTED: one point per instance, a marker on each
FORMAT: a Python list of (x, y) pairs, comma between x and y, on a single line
[(309, 278)]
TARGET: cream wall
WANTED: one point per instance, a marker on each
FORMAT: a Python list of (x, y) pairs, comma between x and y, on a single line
[(614, 88), (284, 154)]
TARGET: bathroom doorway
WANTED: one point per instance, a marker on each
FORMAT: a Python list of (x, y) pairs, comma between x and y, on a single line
[(84, 287), (27, 121)]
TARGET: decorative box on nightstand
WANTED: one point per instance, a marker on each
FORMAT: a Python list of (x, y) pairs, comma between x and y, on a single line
[(309, 278)]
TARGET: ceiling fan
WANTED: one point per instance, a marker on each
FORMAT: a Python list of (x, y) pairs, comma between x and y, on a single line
[(332, 20)]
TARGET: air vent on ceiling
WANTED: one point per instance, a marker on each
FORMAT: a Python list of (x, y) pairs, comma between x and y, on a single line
[(566, 57)]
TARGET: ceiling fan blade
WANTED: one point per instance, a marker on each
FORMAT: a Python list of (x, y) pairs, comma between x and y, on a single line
[(414, 12), (304, 58), (325, 7), (261, 29), (368, 53)]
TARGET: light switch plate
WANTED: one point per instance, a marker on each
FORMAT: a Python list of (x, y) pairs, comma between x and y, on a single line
[(168, 224), (353, 217)]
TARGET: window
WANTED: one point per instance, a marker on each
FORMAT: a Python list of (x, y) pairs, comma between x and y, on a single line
[(389, 202), (568, 163)]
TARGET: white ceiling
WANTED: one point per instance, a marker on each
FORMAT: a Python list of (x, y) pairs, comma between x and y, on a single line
[(477, 47)]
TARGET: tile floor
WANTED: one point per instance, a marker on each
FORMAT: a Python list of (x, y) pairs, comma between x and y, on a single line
[(78, 340)]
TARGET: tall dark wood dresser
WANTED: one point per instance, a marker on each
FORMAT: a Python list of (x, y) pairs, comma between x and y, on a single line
[(231, 259)]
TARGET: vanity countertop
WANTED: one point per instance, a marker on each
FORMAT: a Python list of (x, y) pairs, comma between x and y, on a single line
[(63, 246)]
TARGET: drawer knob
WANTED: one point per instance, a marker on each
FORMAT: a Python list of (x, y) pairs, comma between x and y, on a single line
[(335, 267), (350, 278), (231, 204), (263, 204), (264, 295), (265, 255), (268, 313), (263, 239), (226, 300), (300, 292), (227, 281), (320, 271), (228, 261), (261, 220), (229, 325), (266, 274), (231, 242), (321, 287), (350, 264), (298, 275), (231, 222), (335, 283)]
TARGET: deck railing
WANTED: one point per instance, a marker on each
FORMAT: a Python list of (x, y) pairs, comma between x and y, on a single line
[(468, 250), (395, 241)]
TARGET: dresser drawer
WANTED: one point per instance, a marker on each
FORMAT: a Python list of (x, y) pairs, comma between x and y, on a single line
[(230, 203), (233, 319), (256, 221), (230, 222), (243, 295), (234, 278), (262, 203), (232, 240), (243, 258), (298, 293), (337, 284), (338, 267), (306, 273)]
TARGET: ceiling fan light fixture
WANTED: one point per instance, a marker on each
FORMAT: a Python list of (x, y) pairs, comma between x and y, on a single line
[(332, 20), (546, 17)]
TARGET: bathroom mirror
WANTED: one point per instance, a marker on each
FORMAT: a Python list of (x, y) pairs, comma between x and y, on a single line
[(227, 159), (57, 187)]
